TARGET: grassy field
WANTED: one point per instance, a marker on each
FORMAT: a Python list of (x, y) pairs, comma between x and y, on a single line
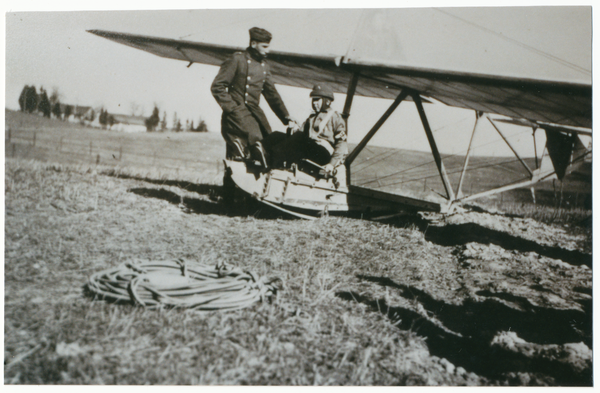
[(193, 157), (415, 174), (197, 158), (364, 303)]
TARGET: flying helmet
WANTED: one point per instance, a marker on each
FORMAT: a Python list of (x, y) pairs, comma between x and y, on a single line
[(323, 91)]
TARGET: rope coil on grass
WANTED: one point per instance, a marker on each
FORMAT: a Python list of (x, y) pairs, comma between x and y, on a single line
[(183, 284)]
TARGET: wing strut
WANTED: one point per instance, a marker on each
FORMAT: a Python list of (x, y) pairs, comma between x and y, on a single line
[(434, 150), (560, 146), (511, 147), (403, 94), (537, 164), (526, 183), (349, 97), (478, 116)]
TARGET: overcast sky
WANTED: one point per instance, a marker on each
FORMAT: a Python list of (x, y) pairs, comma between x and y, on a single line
[(53, 49)]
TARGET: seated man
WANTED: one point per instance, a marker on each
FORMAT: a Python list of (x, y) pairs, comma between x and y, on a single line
[(321, 139)]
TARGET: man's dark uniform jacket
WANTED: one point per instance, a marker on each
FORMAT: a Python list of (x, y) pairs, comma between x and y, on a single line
[(237, 88)]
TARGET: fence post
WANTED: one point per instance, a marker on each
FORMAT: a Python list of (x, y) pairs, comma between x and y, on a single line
[(14, 149), (98, 159), (34, 137), (9, 132)]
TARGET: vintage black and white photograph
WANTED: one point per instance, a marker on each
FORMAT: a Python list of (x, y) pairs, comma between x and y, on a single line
[(299, 196)]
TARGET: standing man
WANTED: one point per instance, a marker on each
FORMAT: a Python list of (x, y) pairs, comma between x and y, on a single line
[(237, 88)]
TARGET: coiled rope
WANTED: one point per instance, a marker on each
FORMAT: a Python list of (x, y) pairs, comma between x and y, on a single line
[(181, 283)]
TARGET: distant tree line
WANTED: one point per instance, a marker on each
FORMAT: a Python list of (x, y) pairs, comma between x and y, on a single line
[(31, 101), (105, 119), (155, 123)]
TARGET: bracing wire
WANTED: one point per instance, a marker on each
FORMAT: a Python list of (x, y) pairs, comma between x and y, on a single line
[(374, 160), (432, 162), (239, 21), (451, 172), (370, 163), (432, 173), (522, 45)]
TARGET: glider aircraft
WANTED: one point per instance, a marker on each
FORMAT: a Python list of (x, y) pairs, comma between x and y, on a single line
[(561, 108)]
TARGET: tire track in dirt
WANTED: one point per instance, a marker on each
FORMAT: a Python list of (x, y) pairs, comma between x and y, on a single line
[(460, 234), (522, 307), (480, 326), (474, 334)]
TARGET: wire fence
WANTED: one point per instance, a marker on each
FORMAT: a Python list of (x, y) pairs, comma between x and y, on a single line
[(160, 154), (53, 145)]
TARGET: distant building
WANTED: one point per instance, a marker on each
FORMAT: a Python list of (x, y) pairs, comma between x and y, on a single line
[(91, 117), (126, 123), (83, 112), (78, 114)]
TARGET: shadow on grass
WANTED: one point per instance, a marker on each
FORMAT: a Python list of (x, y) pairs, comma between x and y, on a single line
[(465, 332), (449, 235), (461, 234), (202, 189), (453, 235), (242, 207)]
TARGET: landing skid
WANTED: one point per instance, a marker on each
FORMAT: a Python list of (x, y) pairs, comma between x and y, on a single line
[(306, 194), (290, 212)]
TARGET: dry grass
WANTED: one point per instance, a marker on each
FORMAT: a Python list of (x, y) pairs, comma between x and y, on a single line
[(63, 224), (364, 303), (192, 157), (547, 214), (333, 324)]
